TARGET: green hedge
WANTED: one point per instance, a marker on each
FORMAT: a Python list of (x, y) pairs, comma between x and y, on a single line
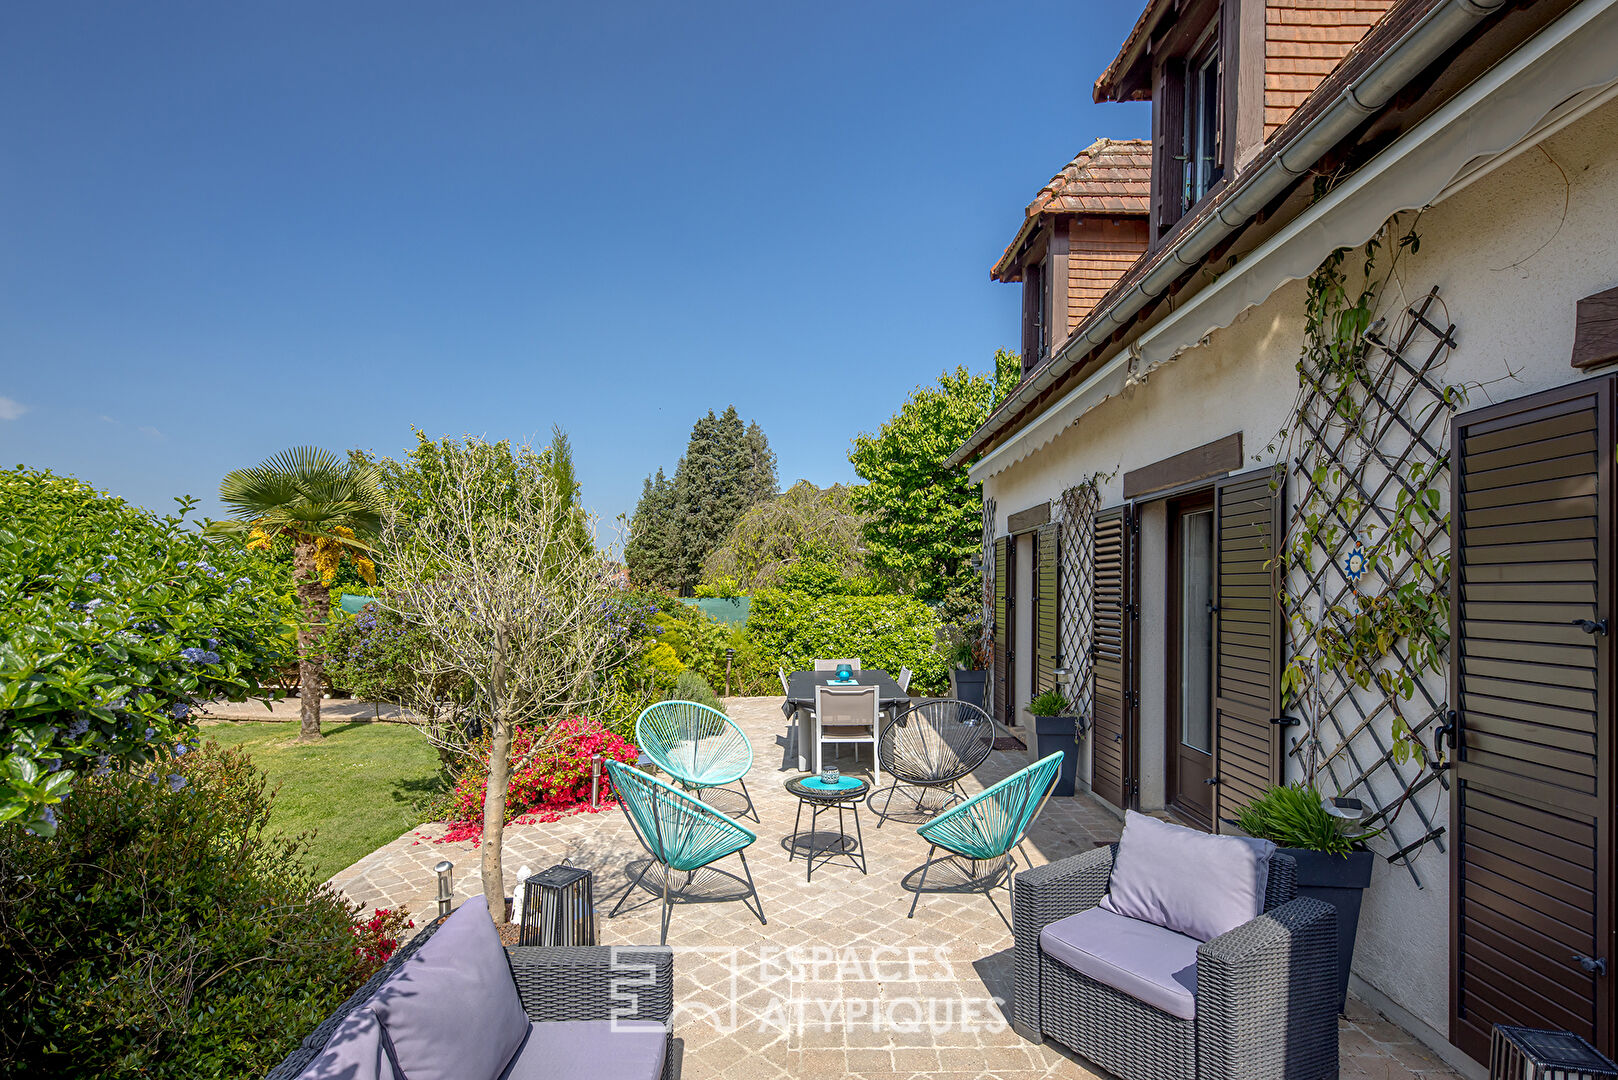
[(793, 628)]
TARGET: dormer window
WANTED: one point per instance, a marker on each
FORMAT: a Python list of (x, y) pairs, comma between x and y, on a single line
[(1201, 155), (1036, 314)]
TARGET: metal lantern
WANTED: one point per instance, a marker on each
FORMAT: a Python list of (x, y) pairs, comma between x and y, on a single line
[(558, 908), (1518, 1053)]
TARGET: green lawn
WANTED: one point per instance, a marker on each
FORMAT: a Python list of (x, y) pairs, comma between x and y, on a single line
[(358, 788)]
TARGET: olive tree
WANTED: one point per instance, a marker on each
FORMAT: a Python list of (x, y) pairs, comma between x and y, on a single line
[(516, 612)]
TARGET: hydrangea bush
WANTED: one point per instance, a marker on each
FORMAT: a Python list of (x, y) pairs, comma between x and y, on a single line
[(114, 624)]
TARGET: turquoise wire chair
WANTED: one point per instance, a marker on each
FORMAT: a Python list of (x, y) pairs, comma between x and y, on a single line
[(679, 832), (697, 746), (987, 826)]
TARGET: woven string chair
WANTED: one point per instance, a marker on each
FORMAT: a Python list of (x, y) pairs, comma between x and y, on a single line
[(697, 746), (681, 834), (987, 826), (931, 746)]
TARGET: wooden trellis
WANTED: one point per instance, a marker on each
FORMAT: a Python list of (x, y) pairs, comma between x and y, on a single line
[(1376, 440), (1076, 512)]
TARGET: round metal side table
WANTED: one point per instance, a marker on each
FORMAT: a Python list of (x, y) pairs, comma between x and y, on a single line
[(844, 796)]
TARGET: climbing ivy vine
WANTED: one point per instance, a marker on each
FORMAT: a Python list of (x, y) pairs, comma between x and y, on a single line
[(1380, 616)]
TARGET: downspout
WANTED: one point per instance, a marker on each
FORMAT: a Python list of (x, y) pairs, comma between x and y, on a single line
[(1425, 42)]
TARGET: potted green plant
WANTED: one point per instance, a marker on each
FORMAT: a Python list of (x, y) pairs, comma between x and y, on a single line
[(968, 679), (1056, 728), (1333, 862)]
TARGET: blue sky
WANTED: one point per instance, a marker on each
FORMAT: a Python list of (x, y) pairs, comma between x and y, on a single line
[(227, 229)]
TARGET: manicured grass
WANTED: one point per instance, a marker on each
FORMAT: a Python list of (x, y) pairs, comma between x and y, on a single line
[(360, 787)]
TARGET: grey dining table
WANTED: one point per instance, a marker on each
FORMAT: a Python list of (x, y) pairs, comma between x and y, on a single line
[(801, 695)]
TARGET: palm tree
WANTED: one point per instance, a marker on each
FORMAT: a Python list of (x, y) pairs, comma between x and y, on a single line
[(328, 507)]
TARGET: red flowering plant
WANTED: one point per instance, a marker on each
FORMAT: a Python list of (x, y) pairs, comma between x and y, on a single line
[(376, 938), (550, 774)]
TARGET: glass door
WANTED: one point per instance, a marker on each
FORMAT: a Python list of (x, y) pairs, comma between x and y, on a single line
[(1191, 579)]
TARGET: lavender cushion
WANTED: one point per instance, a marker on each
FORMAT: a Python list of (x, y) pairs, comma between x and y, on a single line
[(1188, 881), (354, 1052), (451, 1011), (1145, 961), (592, 1050)]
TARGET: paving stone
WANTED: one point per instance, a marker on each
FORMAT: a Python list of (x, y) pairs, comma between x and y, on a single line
[(840, 980)]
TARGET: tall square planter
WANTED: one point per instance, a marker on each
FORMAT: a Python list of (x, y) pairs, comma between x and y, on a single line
[(1053, 733), (1341, 882)]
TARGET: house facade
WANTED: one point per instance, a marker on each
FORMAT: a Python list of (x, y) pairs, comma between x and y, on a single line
[(1321, 487)]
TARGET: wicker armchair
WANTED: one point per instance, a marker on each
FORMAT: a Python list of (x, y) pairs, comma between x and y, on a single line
[(1266, 992), (555, 983)]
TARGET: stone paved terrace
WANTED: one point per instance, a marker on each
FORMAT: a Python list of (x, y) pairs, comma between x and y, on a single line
[(840, 982)]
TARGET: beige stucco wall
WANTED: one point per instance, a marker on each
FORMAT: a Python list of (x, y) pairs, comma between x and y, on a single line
[(1510, 270)]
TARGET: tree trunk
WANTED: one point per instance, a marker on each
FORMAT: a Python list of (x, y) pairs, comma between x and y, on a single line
[(494, 794), (316, 606)]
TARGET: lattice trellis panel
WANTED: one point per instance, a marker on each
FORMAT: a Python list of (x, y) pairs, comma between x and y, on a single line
[(1076, 513), (1379, 438), (988, 595)]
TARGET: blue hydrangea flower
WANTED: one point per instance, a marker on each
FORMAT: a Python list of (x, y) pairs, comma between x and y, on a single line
[(149, 733), (181, 749), (78, 727), (176, 782), (199, 656), (94, 578), (181, 565), (180, 711), (109, 558)]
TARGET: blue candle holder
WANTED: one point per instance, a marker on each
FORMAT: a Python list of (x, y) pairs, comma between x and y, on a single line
[(845, 673)]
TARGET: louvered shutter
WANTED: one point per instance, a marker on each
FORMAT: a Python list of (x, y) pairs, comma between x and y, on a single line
[(1047, 629), (1002, 637), (1531, 815), (1247, 641), (1110, 699)]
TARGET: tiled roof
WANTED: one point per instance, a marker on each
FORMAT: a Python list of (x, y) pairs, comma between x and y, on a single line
[(1109, 177)]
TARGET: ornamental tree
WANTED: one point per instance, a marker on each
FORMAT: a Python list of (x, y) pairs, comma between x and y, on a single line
[(523, 621), (113, 623), (327, 507), (805, 524), (924, 519)]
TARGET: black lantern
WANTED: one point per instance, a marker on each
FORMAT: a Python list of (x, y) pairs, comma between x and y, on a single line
[(558, 908), (1518, 1053)]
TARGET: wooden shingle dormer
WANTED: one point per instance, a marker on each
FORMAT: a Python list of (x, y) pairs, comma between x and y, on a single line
[(1223, 76), (1078, 236)]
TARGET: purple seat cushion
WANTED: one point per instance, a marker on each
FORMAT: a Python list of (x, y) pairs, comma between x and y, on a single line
[(592, 1050), (1141, 959), (451, 1011), (354, 1052), (1188, 881)]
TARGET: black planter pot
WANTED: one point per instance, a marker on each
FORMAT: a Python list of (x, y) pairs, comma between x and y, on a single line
[(1053, 733), (1341, 883), (969, 685)]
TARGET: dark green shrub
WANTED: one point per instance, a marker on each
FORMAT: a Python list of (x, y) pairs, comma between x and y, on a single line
[(793, 628), (163, 932), (693, 687)]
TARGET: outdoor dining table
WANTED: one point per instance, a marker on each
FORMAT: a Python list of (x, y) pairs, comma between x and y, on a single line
[(801, 695)]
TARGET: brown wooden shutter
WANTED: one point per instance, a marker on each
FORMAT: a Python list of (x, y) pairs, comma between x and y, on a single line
[(1247, 641), (1111, 705), (1047, 610), (1002, 637), (1531, 816)]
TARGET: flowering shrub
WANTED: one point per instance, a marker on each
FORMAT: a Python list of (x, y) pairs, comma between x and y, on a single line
[(113, 624), (377, 937), (165, 932), (550, 773)]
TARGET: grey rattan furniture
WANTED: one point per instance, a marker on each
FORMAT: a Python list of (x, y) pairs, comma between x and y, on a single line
[(1265, 993), (556, 983), (931, 745)]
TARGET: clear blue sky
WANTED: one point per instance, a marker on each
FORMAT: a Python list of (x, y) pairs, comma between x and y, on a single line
[(226, 229)]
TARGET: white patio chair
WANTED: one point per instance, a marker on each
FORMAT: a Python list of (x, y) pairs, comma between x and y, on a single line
[(848, 715), (905, 675), (831, 665)]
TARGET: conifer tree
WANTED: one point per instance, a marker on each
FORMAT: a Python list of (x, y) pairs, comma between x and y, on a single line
[(649, 551)]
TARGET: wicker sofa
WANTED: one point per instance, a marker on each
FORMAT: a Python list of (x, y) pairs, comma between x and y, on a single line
[(1262, 997), (589, 1011)]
